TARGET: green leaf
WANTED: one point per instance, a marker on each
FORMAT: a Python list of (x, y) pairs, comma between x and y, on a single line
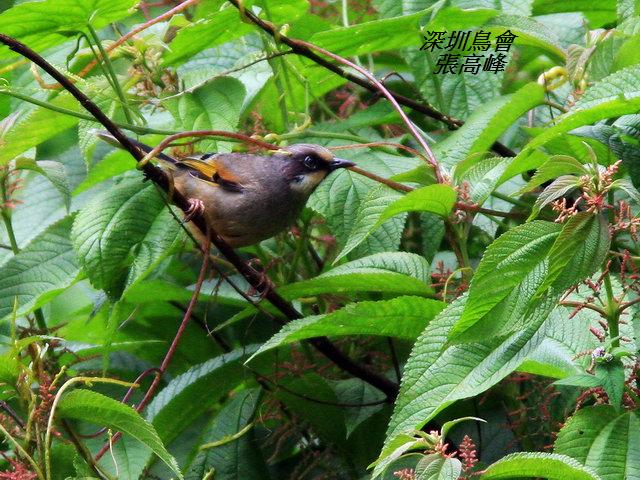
[(604, 440), (556, 166), (190, 394), (578, 252), (214, 106), (539, 464), (394, 453), (96, 408), (580, 380), (438, 199), (363, 397), (613, 96), (40, 272), (626, 186), (558, 188), (436, 375), (162, 239), (390, 272), (506, 264), (340, 198), (598, 14), (435, 467), (216, 29), (52, 171), (129, 217), (237, 458), (41, 123), (444, 430), (402, 317), (455, 95), (529, 32), (112, 164), (611, 376), (372, 36), (486, 125), (40, 24), (371, 207), (482, 175)]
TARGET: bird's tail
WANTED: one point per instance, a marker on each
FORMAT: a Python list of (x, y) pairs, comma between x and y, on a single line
[(110, 139)]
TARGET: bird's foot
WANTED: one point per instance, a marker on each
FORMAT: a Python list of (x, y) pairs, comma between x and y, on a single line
[(196, 207), (264, 285)]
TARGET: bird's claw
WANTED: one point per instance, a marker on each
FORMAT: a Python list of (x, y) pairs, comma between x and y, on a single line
[(196, 207)]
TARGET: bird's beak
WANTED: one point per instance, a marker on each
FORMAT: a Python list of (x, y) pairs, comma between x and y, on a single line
[(340, 163)]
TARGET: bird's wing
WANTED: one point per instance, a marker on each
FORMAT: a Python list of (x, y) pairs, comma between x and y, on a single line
[(213, 171)]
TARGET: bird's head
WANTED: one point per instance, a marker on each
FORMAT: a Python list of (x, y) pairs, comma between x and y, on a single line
[(307, 165)]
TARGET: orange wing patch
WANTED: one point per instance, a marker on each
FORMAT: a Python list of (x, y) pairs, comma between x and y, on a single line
[(215, 173), (208, 170), (226, 174)]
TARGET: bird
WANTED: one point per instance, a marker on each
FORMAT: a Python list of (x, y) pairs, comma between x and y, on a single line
[(246, 198)]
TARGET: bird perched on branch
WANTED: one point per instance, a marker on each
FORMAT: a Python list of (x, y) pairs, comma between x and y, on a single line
[(247, 198)]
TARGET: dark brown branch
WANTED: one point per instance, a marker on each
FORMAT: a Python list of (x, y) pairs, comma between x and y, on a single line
[(253, 277), (300, 49)]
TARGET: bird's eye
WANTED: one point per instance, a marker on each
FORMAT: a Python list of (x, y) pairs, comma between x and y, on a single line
[(311, 163)]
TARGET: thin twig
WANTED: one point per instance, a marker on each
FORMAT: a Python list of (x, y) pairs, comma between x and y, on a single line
[(412, 128), (590, 306), (628, 304), (172, 348), (202, 133)]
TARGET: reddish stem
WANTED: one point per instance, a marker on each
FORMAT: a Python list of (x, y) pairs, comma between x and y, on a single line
[(172, 349)]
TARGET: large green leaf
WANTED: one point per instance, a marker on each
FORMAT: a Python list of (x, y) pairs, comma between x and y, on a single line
[(376, 209), (437, 375), (371, 207), (578, 252), (482, 175), (214, 106), (96, 408), (216, 29), (598, 13), (513, 266), (42, 125), (486, 125), (555, 167), (435, 467), (455, 95), (604, 440), (403, 317), (46, 23), (188, 395), (390, 272), (539, 464), (340, 197), (130, 217), (558, 356), (529, 32), (39, 272), (237, 457), (372, 36), (438, 199), (52, 171)]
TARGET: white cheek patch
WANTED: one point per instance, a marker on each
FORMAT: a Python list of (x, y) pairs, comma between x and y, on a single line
[(308, 182)]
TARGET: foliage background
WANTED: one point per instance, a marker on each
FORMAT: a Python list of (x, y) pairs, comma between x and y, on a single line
[(96, 271)]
